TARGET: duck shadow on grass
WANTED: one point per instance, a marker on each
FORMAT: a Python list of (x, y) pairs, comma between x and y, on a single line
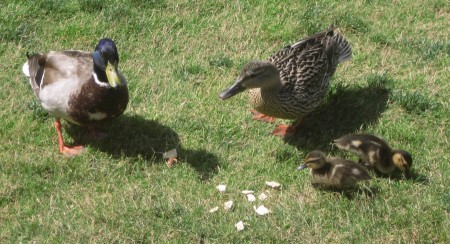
[(397, 175), (136, 137), (352, 193), (346, 110)]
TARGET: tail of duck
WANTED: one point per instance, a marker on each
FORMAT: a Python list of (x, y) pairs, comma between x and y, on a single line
[(26, 67), (340, 44), (34, 70), (333, 41), (335, 45), (345, 51)]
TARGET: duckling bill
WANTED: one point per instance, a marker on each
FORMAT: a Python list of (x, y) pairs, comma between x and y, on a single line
[(376, 152), (294, 81), (337, 173), (83, 88)]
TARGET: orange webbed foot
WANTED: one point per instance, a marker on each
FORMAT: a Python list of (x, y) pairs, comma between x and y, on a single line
[(262, 117), (63, 149), (287, 130), (71, 151), (283, 130)]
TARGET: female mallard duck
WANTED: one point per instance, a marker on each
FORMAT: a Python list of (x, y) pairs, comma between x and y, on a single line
[(375, 152), (294, 81), (84, 88), (335, 173)]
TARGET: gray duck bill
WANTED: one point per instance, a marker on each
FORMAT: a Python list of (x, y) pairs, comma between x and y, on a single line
[(233, 90)]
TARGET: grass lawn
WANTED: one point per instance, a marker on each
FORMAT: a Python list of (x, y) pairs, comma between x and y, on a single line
[(177, 57)]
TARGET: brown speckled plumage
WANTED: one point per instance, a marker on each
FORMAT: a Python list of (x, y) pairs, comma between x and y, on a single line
[(301, 77), (376, 152), (334, 172)]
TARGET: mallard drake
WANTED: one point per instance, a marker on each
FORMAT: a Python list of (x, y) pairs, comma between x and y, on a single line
[(83, 88), (294, 80), (335, 173), (376, 152)]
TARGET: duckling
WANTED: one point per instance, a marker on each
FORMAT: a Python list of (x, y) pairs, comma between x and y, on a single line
[(294, 81), (335, 173), (83, 88), (376, 152)]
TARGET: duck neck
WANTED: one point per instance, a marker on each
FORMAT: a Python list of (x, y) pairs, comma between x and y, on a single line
[(101, 75), (273, 86), (262, 97), (270, 92)]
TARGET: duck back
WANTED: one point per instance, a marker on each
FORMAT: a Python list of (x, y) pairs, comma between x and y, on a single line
[(306, 68)]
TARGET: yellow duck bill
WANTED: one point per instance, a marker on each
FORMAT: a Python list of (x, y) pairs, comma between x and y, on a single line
[(112, 75)]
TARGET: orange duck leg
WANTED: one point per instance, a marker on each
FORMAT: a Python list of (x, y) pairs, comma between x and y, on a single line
[(66, 150)]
